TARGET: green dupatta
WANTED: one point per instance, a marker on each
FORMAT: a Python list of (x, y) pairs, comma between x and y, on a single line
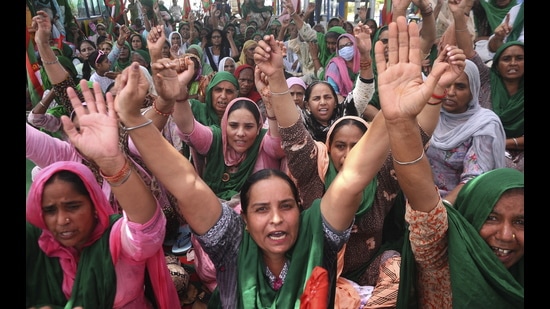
[(478, 277), (95, 282), (510, 109), (215, 169), (204, 112), (368, 193), (308, 251), (494, 14), (324, 54)]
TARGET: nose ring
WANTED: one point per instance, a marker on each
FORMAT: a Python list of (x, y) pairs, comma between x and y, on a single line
[(67, 220), (513, 235)]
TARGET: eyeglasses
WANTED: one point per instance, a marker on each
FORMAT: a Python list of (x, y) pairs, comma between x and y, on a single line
[(345, 45), (99, 54)]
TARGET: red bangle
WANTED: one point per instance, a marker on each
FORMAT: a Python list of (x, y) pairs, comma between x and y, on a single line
[(120, 175), (159, 112), (434, 103), (440, 97)]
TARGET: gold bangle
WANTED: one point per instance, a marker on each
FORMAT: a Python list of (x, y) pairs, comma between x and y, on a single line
[(40, 102), (516, 142)]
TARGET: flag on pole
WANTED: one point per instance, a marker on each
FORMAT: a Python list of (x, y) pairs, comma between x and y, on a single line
[(186, 9), (386, 13), (206, 5), (116, 11)]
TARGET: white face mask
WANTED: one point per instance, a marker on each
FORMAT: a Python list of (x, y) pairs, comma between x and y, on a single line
[(346, 53)]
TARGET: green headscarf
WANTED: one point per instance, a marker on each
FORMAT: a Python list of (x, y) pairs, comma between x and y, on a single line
[(253, 289), (215, 168), (478, 278), (120, 65), (517, 27), (510, 109), (494, 14), (375, 100), (324, 54), (205, 66), (204, 112)]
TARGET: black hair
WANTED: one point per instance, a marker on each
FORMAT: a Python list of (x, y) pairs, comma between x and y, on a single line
[(250, 106), (345, 122), (266, 174), (317, 82), (93, 56), (71, 178)]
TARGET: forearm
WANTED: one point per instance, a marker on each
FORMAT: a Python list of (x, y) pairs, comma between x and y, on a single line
[(346, 190), (55, 71), (463, 38), (159, 112), (414, 178), (427, 32), (428, 118), (130, 191), (495, 41), (183, 116), (283, 104)]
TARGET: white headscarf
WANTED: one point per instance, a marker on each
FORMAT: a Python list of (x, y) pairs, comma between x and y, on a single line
[(453, 129)]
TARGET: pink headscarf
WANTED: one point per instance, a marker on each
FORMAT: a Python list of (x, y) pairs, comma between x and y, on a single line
[(47, 241), (347, 83), (231, 157), (291, 81), (166, 294)]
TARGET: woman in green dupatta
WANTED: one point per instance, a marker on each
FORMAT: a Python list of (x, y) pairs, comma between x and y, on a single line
[(221, 89), (379, 222), (453, 257), (507, 98), (123, 59), (79, 252), (265, 256)]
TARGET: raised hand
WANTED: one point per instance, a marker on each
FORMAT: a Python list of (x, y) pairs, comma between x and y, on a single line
[(364, 43), (451, 61), (97, 134), (402, 92), (170, 84), (42, 27), (132, 89), (155, 41), (269, 54)]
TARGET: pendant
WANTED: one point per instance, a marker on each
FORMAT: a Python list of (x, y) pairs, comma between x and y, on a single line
[(225, 177)]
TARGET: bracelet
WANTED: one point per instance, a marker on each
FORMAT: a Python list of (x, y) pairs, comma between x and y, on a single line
[(516, 142), (148, 122), (434, 103), (366, 80), (40, 102), (279, 93), (51, 62), (271, 117), (159, 112), (440, 97), (409, 162), (365, 64), (292, 14), (429, 11), (120, 177)]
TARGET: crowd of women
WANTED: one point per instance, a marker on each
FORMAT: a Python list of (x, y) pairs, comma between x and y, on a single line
[(382, 167)]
